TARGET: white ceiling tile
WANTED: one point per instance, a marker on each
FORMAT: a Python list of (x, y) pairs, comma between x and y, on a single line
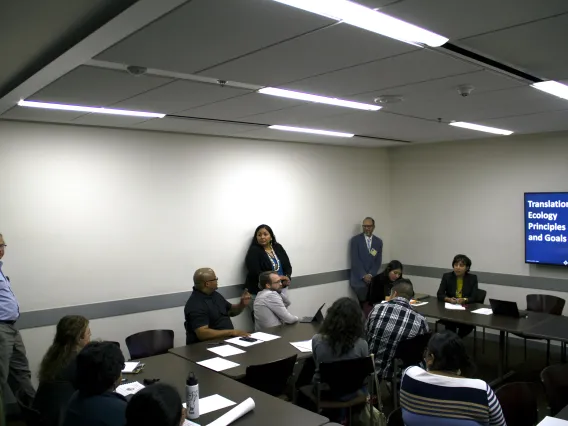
[(242, 106), (538, 48), (204, 33), (179, 96), (96, 87), (400, 70), (194, 126), (321, 51), (37, 114), (298, 115), (107, 120), (533, 123), (463, 18)]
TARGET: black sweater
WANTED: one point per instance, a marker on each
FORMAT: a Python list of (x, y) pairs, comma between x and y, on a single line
[(257, 261)]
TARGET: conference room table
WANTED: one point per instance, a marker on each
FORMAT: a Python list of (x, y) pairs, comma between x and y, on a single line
[(563, 414), (174, 370), (261, 353), (503, 324), (555, 328)]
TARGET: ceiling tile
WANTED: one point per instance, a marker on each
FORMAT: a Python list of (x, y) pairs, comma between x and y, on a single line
[(107, 120), (193, 126), (204, 33), (179, 96), (533, 123), (400, 70), (538, 48), (321, 51), (457, 19), (96, 87), (37, 114), (300, 114)]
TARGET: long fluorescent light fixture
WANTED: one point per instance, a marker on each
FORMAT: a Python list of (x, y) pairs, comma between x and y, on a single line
[(317, 99), (313, 131), (94, 110), (481, 128), (369, 19), (553, 88)]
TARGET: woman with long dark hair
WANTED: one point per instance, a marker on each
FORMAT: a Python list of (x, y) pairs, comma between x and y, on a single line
[(266, 254), (381, 284), (442, 393)]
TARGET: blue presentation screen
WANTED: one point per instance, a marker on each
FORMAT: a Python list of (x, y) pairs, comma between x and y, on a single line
[(546, 225)]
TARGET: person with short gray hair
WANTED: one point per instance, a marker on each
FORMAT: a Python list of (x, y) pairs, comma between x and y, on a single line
[(271, 303), (14, 365)]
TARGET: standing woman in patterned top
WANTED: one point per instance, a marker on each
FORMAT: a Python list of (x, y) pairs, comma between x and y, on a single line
[(265, 254)]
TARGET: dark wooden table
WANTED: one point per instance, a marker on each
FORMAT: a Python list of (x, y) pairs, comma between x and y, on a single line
[(554, 328), (269, 410), (256, 354), (563, 414), (503, 324)]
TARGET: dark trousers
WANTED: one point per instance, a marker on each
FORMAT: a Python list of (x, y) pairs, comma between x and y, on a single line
[(461, 330), (14, 366)]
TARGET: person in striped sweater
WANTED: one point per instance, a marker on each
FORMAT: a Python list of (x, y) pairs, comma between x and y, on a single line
[(441, 395)]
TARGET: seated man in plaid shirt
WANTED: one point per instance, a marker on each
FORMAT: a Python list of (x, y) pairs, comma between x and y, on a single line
[(391, 322)]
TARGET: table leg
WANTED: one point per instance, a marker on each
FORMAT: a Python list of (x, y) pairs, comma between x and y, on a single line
[(501, 376)]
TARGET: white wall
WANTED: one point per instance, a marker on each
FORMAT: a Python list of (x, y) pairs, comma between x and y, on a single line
[(467, 197), (93, 215)]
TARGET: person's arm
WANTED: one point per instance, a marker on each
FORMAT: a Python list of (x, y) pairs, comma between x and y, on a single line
[(378, 258), (496, 417), (236, 309), (472, 297), (424, 327), (199, 322), (285, 297), (253, 262), (286, 265), (276, 305), (443, 291)]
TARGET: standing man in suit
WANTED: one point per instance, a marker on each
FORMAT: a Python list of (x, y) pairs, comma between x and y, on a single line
[(13, 361), (366, 258)]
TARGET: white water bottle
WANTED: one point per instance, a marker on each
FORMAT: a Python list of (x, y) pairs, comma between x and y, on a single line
[(192, 396)]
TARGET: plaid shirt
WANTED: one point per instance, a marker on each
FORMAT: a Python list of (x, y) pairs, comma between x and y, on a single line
[(387, 325)]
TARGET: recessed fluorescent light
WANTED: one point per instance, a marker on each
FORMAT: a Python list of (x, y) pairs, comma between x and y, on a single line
[(552, 87), (481, 128), (318, 99), (314, 131), (369, 19), (93, 110)]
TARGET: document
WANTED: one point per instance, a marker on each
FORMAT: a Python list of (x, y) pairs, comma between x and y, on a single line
[(129, 388), (212, 403), (304, 346), (265, 337), (236, 413), (552, 421), (129, 367), (419, 304), (483, 311), (237, 341), (218, 364), (189, 423), (454, 307), (225, 350)]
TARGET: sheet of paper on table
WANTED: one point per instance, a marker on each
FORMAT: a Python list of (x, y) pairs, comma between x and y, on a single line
[(218, 364), (129, 366), (265, 337), (189, 423), (212, 403), (454, 307), (304, 346), (225, 350), (237, 341), (552, 421), (483, 311), (129, 388), (419, 304)]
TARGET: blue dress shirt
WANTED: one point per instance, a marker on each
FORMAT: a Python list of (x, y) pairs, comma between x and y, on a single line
[(9, 309)]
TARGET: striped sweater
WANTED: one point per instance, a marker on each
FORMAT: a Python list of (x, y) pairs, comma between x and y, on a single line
[(430, 399)]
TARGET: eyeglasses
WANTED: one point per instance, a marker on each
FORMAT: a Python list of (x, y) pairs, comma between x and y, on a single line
[(368, 226), (2, 246), (214, 279)]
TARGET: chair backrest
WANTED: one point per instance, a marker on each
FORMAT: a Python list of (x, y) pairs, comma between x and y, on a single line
[(555, 381), (272, 377), (519, 404), (51, 401), (31, 417), (395, 418), (346, 376), (150, 343), (481, 295), (411, 351), (545, 303)]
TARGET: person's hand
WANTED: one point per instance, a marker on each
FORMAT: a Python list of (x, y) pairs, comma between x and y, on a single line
[(285, 280), (239, 333), (461, 301), (367, 278), (452, 300), (245, 298)]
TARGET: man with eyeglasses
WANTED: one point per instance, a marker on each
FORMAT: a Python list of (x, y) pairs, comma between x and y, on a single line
[(366, 257), (14, 365), (207, 313)]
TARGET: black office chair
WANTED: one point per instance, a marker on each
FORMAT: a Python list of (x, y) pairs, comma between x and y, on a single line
[(408, 352), (271, 378), (150, 343), (51, 401), (340, 378), (480, 297), (519, 404), (30, 416), (555, 381)]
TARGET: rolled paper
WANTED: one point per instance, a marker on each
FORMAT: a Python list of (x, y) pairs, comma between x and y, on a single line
[(236, 413)]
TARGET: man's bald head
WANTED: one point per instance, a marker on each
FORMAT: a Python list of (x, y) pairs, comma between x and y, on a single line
[(202, 276)]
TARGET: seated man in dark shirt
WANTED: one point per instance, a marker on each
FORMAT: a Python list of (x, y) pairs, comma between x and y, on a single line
[(99, 367), (207, 313)]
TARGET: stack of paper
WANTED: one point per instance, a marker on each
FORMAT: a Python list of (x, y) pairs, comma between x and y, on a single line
[(129, 388), (265, 337), (129, 367), (225, 350), (212, 403), (236, 413), (551, 421), (454, 307), (483, 311), (218, 364), (304, 346)]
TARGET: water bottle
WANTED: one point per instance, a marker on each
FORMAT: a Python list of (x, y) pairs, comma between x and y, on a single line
[(192, 396)]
